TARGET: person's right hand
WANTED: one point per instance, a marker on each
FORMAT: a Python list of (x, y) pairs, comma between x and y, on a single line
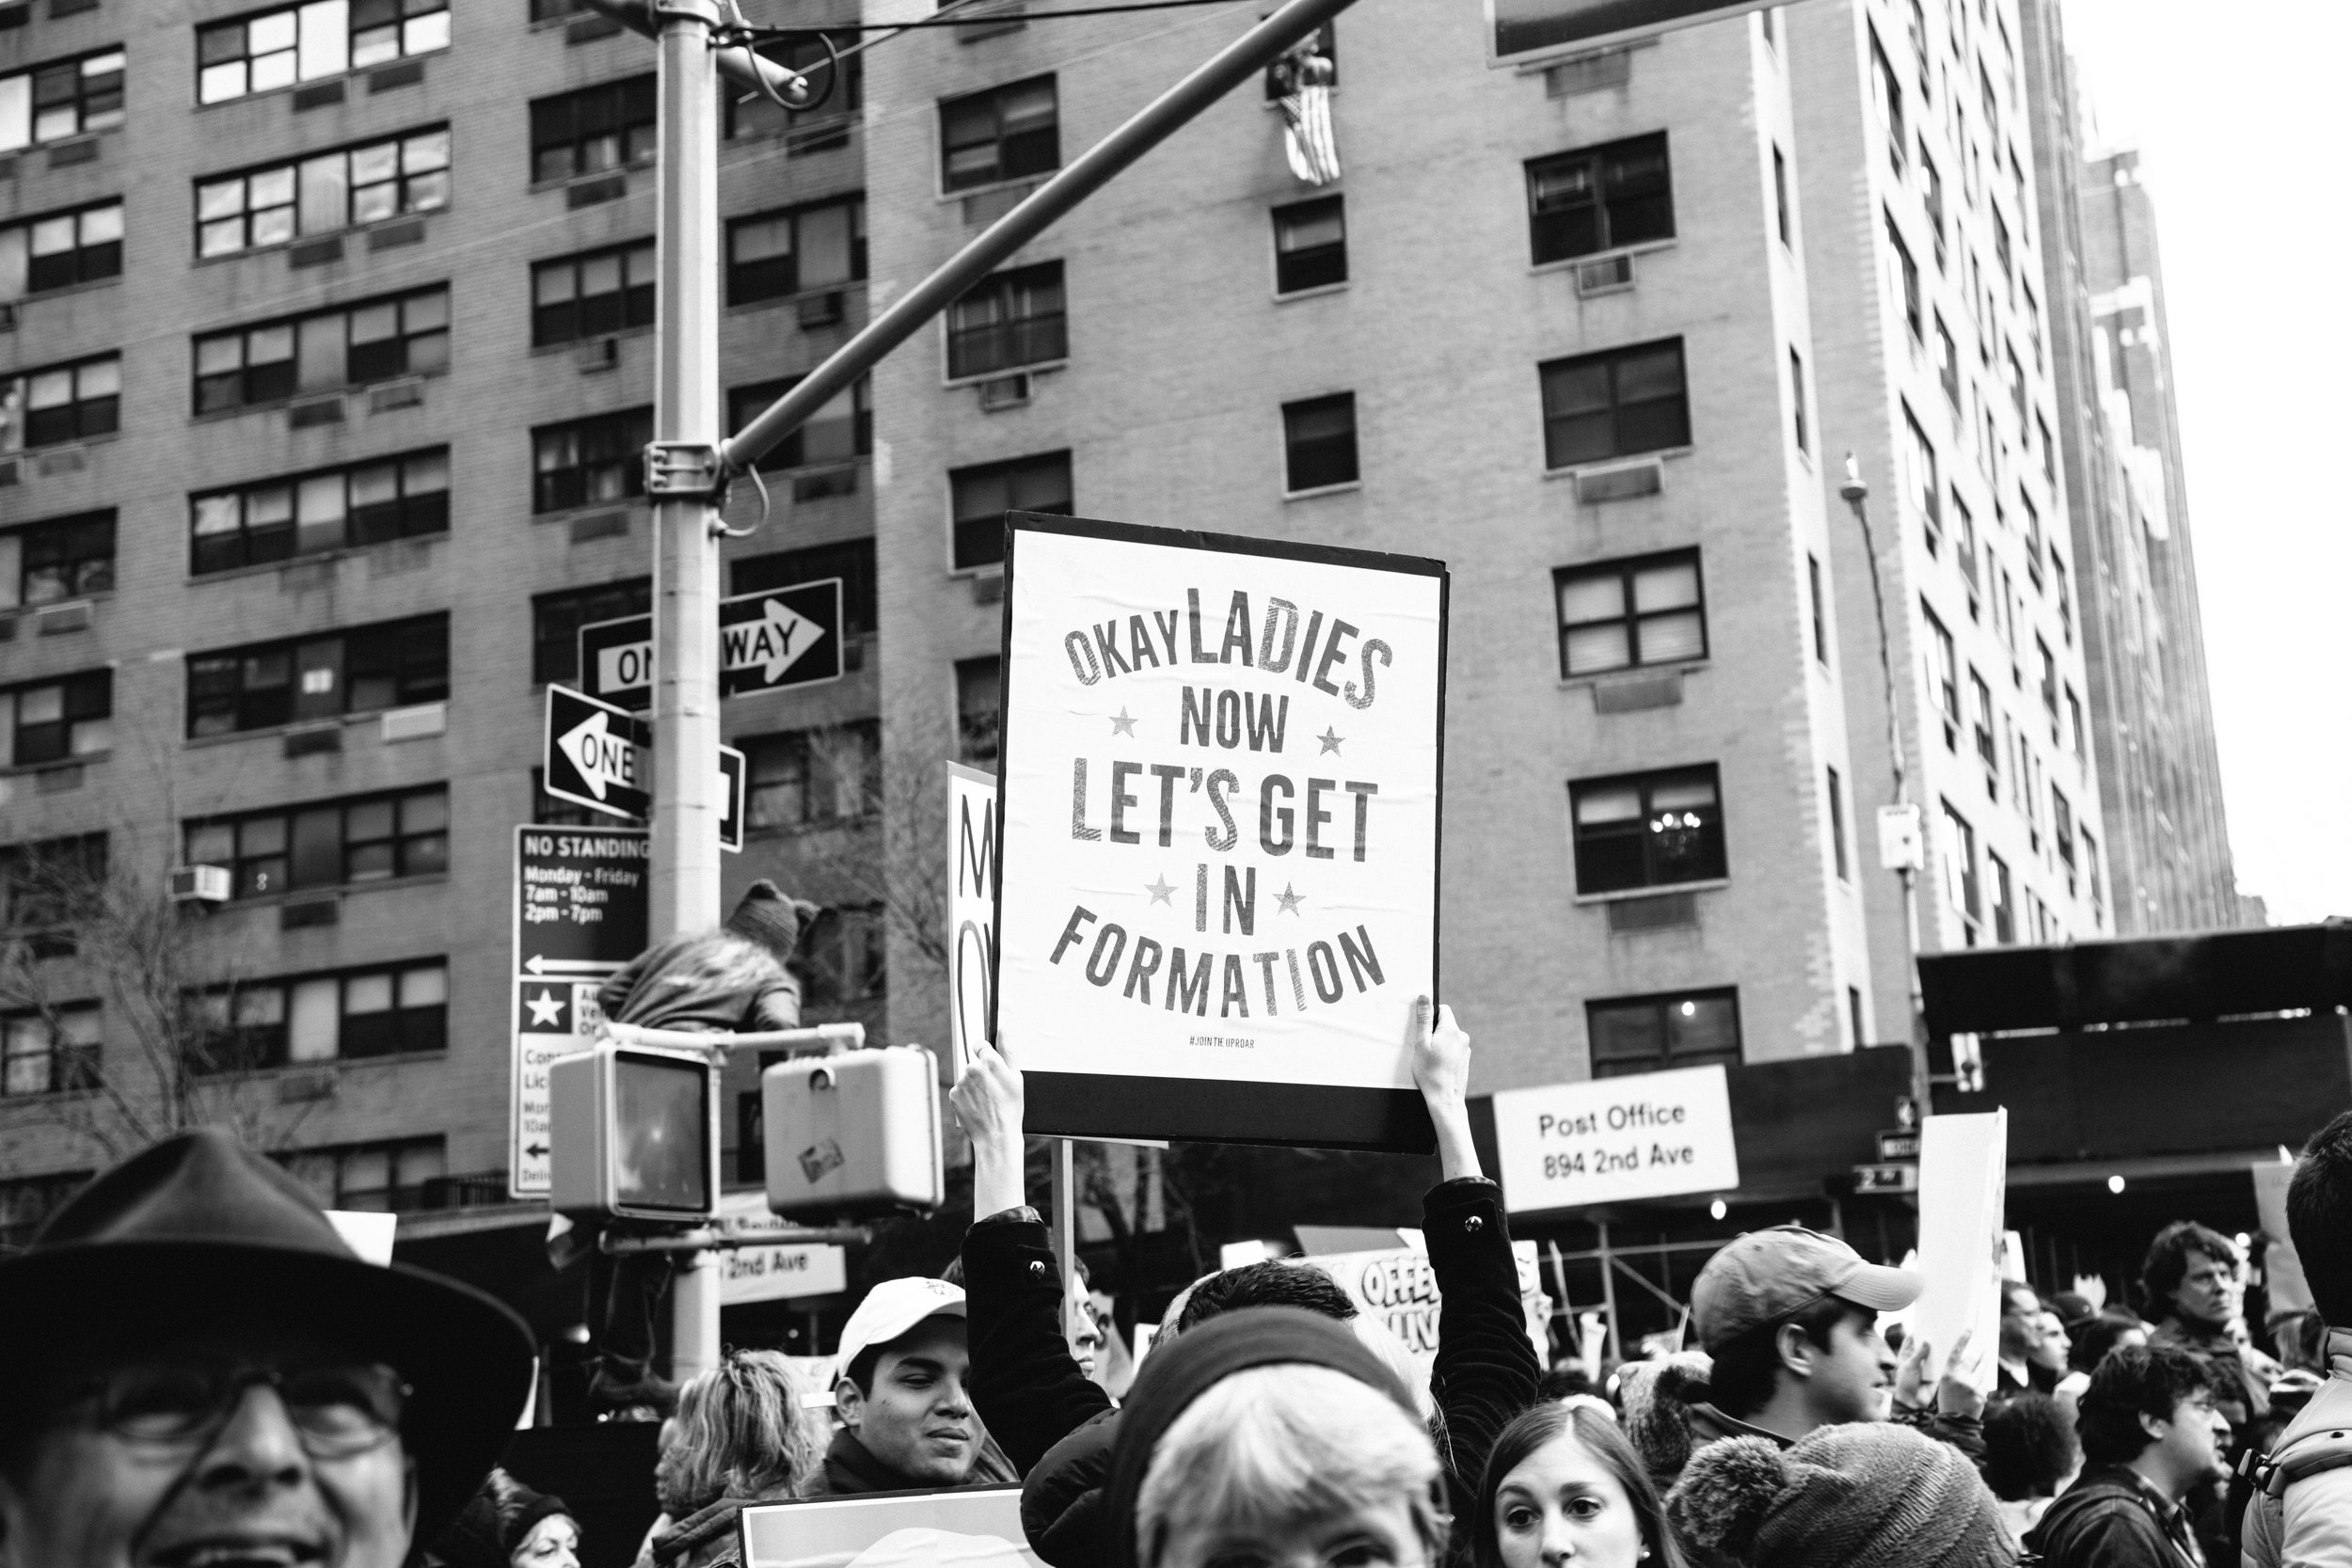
[(987, 1098), (1954, 1394)]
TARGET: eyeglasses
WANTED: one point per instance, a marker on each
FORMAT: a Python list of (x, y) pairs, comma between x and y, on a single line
[(338, 1410)]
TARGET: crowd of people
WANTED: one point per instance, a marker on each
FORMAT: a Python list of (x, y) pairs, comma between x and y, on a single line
[(196, 1373)]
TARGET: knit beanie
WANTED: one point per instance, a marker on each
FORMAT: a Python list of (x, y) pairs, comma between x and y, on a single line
[(771, 918), (1176, 1375), (494, 1522), (1657, 1396), (1865, 1494)]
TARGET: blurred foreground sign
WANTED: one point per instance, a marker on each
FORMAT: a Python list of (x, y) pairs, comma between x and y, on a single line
[(976, 1527), (971, 905), (1611, 1140), (1520, 26), (1963, 1181)]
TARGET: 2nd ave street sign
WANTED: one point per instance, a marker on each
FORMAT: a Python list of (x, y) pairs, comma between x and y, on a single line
[(597, 756), (767, 641)]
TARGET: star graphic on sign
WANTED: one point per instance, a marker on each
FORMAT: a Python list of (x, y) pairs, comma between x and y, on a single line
[(1289, 901), (1330, 741), (1123, 724), (546, 1012), (1159, 890)]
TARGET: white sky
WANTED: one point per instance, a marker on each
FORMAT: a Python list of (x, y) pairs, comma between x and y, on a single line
[(2239, 120)]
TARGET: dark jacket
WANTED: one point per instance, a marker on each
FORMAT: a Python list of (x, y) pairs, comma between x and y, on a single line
[(851, 1468), (1059, 1427), (2111, 1518), (710, 980)]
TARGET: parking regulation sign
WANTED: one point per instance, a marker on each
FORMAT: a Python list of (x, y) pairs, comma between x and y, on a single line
[(769, 640), (597, 756)]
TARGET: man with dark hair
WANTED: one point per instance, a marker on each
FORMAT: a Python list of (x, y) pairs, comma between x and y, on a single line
[(1271, 1283), (902, 1390), (2150, 1437), (2301, 1514), (2195, 1283), (2021, 1368)]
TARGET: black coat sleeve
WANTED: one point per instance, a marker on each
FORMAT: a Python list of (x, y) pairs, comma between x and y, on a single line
[(1028, 1391), (1485, 1370)]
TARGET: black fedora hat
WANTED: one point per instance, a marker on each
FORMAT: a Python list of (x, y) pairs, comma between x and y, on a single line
[(198, 1229)]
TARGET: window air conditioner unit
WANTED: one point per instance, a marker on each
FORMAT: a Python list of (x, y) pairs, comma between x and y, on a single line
[(823, 309), (199, 885), (1606, 276), (7, 316), (1005, 391)]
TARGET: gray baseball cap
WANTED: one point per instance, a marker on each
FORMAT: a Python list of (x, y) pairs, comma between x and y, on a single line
[(1769, 1274)]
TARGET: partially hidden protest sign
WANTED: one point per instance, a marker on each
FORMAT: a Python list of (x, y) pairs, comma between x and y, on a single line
[(2288, 1289), (974, 1527), (1964, 1180), (1613, 1140), (1218, 833), (971, 905), (1397, 1287)]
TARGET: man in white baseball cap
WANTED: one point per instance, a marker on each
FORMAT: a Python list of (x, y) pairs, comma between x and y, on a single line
[(907, 1421)]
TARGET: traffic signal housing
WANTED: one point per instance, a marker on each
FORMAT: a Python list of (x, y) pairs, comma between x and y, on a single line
[(854, 1135), (634, 1133)]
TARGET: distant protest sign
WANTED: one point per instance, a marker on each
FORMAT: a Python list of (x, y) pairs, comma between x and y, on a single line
[(1397, 1287), (1218, 816), (1614, 1140), (1963, 1183)]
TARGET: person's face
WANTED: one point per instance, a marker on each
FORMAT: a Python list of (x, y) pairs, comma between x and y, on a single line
[(2051, 1348), (1852, 1377), (1382, 1536), (553, 1542), (2021, 1322), (2210, 1290), (1561, 1504), (918, 1418), (2192, 1443), (134, 1470)]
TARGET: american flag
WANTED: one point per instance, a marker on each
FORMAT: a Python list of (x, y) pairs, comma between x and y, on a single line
[(1304, 79)]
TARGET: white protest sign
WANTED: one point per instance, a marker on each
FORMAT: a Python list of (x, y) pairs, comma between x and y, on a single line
[(971, 905), (1398, 1289), (1611, 1140), (1964, 1180), (1219, 812), (2283, 1266), (777, 1273)]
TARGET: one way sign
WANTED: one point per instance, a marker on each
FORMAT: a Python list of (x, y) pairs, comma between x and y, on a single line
[(597, 756), (777, 637)]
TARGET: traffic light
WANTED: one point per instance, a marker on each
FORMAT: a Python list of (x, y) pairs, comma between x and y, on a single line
[(634, 1133), (854, 1135)]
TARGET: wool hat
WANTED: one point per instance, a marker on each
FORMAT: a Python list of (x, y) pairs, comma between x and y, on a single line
[(1863, 1494), (772, 917), (1174, 1375), (198, 1231), (1768, 1274), (494, 1522)]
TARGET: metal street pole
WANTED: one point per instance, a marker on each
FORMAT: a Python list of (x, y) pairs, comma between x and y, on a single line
[(682, 479)]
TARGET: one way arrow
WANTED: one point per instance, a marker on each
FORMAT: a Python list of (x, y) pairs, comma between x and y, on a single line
[(538, 965), (774, 642), (603, 759), (537, 1151)]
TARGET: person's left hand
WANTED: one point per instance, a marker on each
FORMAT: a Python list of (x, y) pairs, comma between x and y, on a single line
[(1441, 1053)]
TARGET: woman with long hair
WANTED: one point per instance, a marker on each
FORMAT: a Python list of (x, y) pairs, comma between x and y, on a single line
[(1562, 1484), (740, 1436)]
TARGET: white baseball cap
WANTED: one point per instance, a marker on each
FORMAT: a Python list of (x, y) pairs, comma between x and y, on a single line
[(889, 1310)]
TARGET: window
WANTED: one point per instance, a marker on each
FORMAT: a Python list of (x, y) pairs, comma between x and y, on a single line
[(556, 620), (556, 11), (2065, 599), (852, 561), (1649, 1034), (302, 43), (336, 190), (1598, 199), (980, 709), (1960, 863), (808, 778), (50, 1051), (64, 558), (1837, 825), (1907, 281), (55, 720), (1920, 478), (378, 1177), (2017, 392), (1853, 1016), (778, 254), (1796, 393), (2062, 824), (2049, 450), (62, 402), (2033, 537), (2004, 899), (382, 1011), (2091, 872), (2073, 722), (1007, 320), (981, 496), (1647, 829), (1932, 196), (1964, 546), (1622, 613), (1942, 673), (1007, 132), (1319, 442), (1614, 405), (2033, 324), (64, 98), (1887, 92), (586, 462), (841, 431), (349, 346), (1947, 362), (587, 296), (593, 129), (1310, 245), (1919, 46), (1821, 618), (1980, 720), (1780, 195), (2001, 255), (61, 250), (364, 503), (47, 885), (365, 839), (845, 955), (263, 685)]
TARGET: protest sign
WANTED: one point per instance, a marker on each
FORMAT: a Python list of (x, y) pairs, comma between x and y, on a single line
[(1963, 1178), (1396, 1288), (974, 1527), (971, 905), (1218, 834), (1611, 1140), (2286, 1288)]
